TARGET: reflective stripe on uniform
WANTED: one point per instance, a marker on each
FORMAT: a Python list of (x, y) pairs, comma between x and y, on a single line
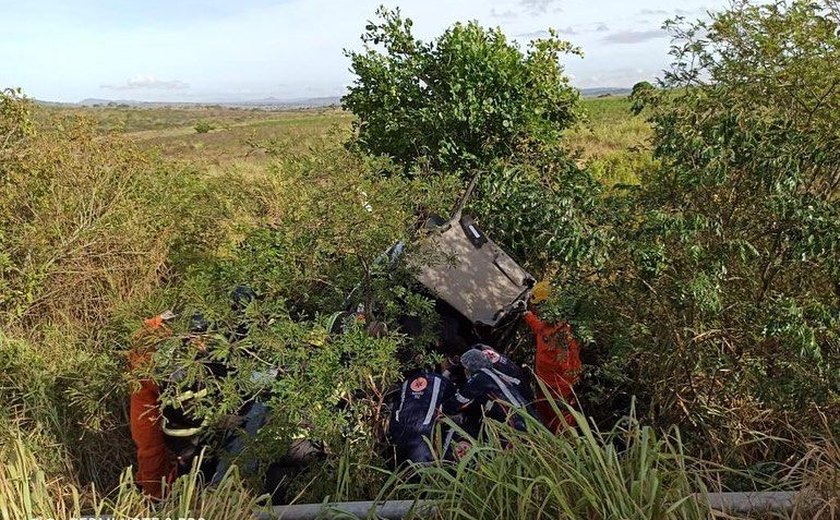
[(506, 378), (461, 399), (182, 432), (430, 413), (447, 441), (189, 394), (402, 400), (503, 387)]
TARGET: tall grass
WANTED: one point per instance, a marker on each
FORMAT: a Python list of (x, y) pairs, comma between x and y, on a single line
[(629, 473), (612, 143), (28, 493), (817, 475)]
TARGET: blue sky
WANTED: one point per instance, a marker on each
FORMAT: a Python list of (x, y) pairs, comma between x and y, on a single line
[(213, 50)]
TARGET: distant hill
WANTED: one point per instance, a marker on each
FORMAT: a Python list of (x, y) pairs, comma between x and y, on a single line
[(273, 103), (267, 103), (605, 91)]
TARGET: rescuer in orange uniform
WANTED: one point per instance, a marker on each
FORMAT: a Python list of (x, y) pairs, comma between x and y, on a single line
[(557, 362), (154, 462)]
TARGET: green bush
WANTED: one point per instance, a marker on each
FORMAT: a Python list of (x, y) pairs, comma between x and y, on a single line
[(95, 234), (202, 127), (460, 102), (89, 221), (546, 214), (640, 93), (328, 216), (719, 306)]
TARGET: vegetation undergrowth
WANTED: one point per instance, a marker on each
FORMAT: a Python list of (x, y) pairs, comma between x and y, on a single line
[(29, 492), (696, 255), (630, 471)]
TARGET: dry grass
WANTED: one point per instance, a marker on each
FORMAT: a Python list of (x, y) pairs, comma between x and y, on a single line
[(817, 474), (240, 141), (605, 138), (27, 493), (234, 138), (610, 128)]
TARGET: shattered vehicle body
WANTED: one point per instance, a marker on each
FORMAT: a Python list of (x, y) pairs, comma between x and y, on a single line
[(460, 266)]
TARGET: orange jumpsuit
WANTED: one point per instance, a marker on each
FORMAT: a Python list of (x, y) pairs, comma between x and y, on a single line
[(557, 365), (154, 462)]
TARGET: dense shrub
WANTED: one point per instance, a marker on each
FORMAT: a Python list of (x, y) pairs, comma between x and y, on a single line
[(202, 127), (64, 399), (546, 214), (94, 234), (89, 221), (326, 220), (720, 305), (460, 102)]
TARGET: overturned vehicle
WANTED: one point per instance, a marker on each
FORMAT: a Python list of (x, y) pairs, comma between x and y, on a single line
[(479, 291)]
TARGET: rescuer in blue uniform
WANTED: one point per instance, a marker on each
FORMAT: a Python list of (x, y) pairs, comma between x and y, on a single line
[(486, 389), (508, 371), (415, 415)]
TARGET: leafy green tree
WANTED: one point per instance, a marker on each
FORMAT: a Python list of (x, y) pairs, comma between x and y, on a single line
[(459, 102), (472, 100), (729, 271), (639, 95)]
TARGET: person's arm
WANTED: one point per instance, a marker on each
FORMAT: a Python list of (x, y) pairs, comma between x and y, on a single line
[(573, 364), (533, 321), (448, 390), (462, 398)]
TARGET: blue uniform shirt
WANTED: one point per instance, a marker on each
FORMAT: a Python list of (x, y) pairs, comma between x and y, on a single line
[(488, 390), (414, 416)]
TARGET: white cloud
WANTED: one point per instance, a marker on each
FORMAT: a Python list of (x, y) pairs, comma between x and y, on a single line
[(147, 82), (532, 35), (506, 15), (655, 12), (622, 37), (538, 6), (563, 31)]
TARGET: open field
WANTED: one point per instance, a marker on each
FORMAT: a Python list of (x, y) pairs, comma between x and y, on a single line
[(608, 136), (235, 137)]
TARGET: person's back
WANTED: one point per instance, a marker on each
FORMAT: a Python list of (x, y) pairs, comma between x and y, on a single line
[(557, 365), (154, 461), (486, 389), (414, 417), (509, 371)]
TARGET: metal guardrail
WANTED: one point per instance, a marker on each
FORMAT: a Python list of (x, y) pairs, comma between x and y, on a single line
[(748, 503), (752, 502), (390, 510)]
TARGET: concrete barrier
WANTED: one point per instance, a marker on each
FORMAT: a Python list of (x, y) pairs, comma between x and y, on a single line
[(748, 503), (390, 510), (751, 502)]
